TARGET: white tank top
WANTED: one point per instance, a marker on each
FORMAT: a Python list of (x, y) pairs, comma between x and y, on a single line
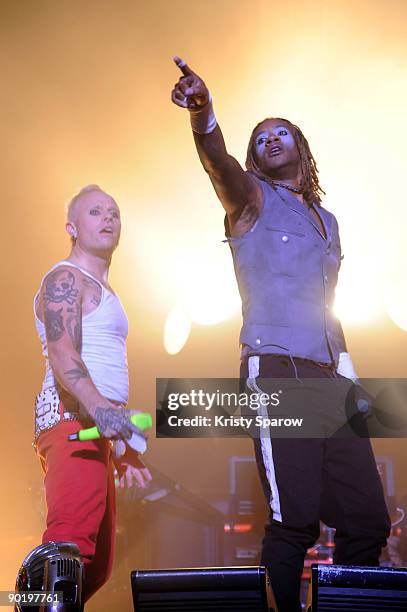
[(104, 333)]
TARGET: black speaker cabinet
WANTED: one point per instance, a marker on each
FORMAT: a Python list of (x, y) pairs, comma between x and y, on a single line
[(237, 589), (339, 588)]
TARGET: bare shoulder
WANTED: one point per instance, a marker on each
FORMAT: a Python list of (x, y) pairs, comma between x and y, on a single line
[(61, 306), (63, 285), (243, 220)]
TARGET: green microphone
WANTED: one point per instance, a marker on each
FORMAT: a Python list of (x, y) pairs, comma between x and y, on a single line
[(142, 420)]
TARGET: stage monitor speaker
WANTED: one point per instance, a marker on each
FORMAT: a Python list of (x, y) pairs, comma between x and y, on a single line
[(340, 588), (216, 589)]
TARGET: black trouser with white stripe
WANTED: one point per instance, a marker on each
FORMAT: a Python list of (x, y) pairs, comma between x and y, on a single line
[(335, 480)]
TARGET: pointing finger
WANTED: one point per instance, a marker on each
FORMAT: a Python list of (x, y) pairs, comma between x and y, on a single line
[(183, 66)]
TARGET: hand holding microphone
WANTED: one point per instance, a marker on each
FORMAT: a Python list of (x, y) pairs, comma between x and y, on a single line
[(127, 425)]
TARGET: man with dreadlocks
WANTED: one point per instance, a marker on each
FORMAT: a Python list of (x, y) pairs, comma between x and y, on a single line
[(287, 254)]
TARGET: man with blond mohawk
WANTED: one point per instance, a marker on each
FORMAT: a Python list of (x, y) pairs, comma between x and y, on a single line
[(287, 254), (83, 328)]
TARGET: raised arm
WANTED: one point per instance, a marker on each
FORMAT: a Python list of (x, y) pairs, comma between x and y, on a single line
[(60, 307), (234, 187)]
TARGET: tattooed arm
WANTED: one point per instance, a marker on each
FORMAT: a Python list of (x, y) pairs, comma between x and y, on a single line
[(61, 309)]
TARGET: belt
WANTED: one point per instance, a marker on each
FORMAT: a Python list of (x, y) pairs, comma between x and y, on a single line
[(319, 364)]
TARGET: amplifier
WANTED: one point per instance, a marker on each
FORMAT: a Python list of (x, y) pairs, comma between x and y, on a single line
[(216, 589), (339, 588)]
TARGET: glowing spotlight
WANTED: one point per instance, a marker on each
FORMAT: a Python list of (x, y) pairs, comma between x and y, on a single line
[(212, 296), (206, 294), (358, 299), (176, 330)]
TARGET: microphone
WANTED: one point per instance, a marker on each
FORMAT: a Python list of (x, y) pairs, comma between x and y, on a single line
[(137, 442)]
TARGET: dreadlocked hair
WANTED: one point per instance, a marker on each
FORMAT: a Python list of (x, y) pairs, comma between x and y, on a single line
[(310, 187)]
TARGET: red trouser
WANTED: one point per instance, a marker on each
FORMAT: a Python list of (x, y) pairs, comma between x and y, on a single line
[(80, 494)]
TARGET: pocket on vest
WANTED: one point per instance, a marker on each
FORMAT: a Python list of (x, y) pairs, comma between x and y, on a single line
[(259, 336), (288, 249)]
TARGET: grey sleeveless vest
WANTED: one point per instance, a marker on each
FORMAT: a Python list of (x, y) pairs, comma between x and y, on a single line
[(287, 272)]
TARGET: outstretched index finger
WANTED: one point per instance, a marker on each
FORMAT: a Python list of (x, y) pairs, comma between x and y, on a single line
[(183, 66)]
